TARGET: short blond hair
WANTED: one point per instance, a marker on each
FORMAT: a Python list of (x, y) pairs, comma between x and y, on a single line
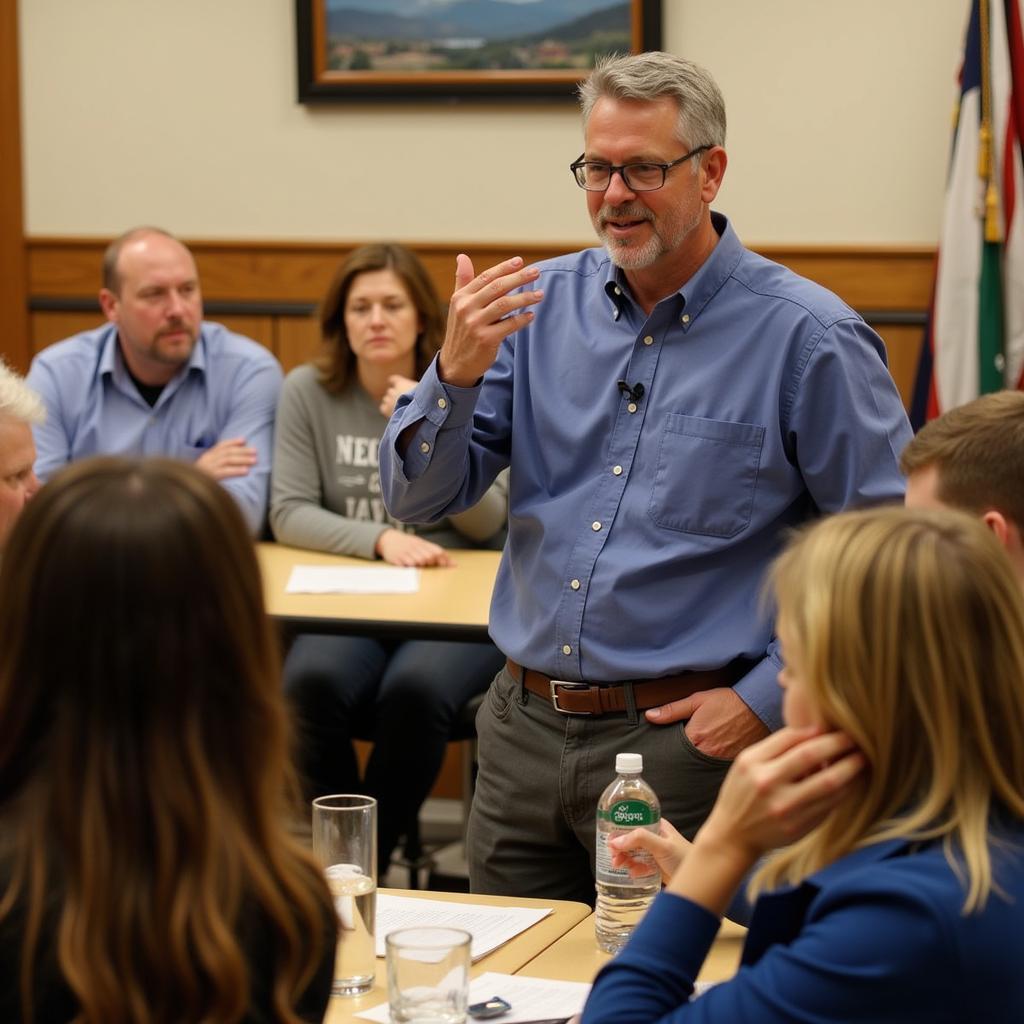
[(17, 400), (978, 452), (910, 630)]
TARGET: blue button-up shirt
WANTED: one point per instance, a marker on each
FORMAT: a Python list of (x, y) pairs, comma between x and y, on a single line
[(228, 388), (877, 936), (640, 530)]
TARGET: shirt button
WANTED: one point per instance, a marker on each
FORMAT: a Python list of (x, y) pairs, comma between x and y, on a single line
[(595, 526), (685, 318), (567, 649), (575, 584), (617, 290), (617, 470), (442, 404), (631, 407), (648, 340), (424, 447)]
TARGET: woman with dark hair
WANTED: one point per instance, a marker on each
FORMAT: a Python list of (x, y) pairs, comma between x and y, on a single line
[(382, 324), (147, 874)]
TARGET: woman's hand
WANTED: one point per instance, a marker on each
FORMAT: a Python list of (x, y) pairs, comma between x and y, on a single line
[(407, 549), (775, 793), (397, 386), (778, 789), (668, 848)]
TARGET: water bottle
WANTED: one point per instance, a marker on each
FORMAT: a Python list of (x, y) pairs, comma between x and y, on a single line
[(622, 897)]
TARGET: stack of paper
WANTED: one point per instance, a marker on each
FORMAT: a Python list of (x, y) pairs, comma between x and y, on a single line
[(332, 579), (490, 927), (531, 998)]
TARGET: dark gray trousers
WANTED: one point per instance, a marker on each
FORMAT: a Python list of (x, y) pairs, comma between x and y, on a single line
[(531, 829)]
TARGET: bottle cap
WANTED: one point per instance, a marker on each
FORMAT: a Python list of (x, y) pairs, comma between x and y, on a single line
[(629, 764)]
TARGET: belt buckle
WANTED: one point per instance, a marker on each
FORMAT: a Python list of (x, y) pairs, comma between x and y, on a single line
[(569, 685)]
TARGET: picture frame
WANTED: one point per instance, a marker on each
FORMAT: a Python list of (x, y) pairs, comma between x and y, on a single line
[(485, 50)]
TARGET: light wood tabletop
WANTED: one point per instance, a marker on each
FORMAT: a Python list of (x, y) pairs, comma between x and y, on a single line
[(452, 603), (575, 956), (507, 959)]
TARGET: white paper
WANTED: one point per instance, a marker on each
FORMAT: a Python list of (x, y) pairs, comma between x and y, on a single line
[(531, 998), (332, 579), (490, 927)]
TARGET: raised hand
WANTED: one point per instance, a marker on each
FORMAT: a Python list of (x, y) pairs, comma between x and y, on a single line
[(397, 386), (482, 314)]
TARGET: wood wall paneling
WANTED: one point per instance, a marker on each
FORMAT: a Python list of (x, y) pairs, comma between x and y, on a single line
[(14, 342), (250, 280)]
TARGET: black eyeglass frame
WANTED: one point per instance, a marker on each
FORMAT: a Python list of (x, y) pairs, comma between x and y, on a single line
[(623, 170)]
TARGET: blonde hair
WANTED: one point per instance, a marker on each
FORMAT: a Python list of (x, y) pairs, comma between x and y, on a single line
[(910, 633), (17, 400)]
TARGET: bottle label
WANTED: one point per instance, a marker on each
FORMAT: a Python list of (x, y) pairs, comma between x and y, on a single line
[(628, 814), (619, 818)]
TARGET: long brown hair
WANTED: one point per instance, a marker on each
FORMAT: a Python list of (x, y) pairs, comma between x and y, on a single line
[(909, 629), (338, 362), (144, 752)]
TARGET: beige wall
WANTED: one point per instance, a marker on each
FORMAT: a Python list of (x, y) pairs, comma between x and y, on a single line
[(183, 113)]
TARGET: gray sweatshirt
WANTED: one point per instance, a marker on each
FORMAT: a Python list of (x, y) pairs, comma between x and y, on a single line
[(325, 489)]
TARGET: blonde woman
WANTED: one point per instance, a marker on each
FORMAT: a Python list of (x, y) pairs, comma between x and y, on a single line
[(893, 799)]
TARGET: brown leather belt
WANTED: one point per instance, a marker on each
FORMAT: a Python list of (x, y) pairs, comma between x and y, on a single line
[(594, 699)]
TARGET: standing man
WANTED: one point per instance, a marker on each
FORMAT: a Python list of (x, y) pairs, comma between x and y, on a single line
[(158, 380), (20, 408), (670, 405)]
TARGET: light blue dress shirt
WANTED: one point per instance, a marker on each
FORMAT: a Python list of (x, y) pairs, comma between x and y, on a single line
[(228, 388), (640, 531)]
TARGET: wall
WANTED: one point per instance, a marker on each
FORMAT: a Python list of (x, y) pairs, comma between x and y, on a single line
[(183, 113)]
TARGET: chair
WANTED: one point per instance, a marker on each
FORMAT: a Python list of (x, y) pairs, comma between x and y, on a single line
[(413, 856)]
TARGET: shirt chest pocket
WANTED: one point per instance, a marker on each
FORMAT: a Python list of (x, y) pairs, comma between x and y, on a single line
[(706, 475)]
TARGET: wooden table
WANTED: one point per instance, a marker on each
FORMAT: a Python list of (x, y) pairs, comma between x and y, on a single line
[(575, 956), (507, 959), (452, 603)]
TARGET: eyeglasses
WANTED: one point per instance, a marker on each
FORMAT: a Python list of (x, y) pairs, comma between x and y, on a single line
[(596, 176)]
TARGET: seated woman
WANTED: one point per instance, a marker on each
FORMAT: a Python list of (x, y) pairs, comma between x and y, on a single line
[(894, 799), (146, 874), (382, 324)]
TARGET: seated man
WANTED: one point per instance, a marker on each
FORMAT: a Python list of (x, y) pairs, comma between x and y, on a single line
[(972, 458), (19, 409), (158, 380)]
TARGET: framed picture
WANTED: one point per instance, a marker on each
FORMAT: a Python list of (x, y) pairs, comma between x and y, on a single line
[(462, 49)]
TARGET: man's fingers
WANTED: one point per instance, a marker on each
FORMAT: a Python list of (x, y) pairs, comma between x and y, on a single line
[(674, 711), (464, 272)]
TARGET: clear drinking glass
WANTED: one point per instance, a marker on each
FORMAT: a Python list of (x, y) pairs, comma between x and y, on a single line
[(345, 842), (428, 974)]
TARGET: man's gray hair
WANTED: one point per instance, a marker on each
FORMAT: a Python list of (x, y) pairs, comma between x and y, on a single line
[(651, 75), (17, 400)]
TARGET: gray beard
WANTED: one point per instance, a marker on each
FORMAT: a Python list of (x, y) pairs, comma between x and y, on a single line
[(627, 257)]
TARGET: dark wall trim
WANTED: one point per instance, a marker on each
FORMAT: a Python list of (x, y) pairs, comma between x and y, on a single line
[(216, 307)]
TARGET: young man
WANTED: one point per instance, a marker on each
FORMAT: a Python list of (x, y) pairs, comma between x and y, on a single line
[(670, 405), (972, 458), (158, 380)]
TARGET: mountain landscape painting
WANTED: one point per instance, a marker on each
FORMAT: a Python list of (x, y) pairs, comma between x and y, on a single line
[(473, 41)]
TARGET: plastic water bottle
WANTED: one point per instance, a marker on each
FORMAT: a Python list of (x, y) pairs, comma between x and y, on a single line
[(623, 898)]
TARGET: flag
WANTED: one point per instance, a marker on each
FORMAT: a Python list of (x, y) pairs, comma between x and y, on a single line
[(974, 337)]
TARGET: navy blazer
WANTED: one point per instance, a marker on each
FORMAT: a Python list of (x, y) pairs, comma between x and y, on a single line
[(878, 936)]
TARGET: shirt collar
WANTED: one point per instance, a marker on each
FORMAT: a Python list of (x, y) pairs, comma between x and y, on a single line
[(702, 287), (112, 364)]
